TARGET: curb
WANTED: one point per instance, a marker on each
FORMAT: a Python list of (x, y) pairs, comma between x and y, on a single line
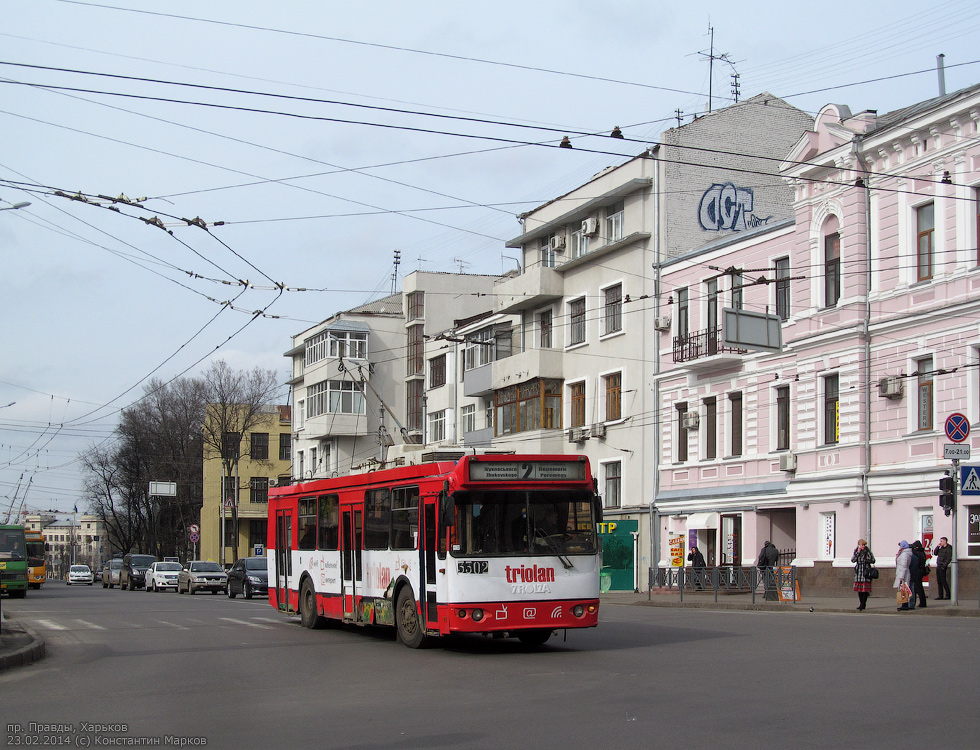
[(32, 650)]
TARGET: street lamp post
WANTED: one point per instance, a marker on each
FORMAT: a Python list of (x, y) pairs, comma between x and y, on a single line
[(14, 206)]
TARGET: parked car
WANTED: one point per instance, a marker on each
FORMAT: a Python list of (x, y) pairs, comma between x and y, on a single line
[(80, 574), (201, 575), (162, 575), (248, 576), (133, 573), (110, 573)]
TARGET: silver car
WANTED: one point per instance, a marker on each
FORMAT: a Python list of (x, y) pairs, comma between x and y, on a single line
[(202, 575), (110, 573)]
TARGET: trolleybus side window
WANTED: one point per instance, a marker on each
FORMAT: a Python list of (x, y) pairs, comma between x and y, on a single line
[(405, 518), (329, 522), (306, 527), (377, 518)]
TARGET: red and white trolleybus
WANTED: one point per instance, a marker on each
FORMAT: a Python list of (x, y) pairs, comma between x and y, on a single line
[(493, 544)]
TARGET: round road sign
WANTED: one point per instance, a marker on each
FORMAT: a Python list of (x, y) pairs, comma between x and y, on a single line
[(195, 537), (957, 427), (194, 528)]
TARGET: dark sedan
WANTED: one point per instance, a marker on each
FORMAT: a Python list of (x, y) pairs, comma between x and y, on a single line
[(248, 576)]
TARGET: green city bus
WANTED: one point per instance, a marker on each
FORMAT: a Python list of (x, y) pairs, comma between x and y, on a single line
[(13, 561)]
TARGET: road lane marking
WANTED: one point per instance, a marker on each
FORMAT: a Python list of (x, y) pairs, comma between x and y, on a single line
[(90, 625), (173, 625), (245, 622), (49, 625)]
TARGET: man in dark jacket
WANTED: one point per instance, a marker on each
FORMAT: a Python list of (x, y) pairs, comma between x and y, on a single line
[(917, 571), (943, 553), (768, 557)]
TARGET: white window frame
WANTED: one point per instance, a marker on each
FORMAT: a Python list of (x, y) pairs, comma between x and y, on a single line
[(615, 222), (437, 426), (606, 333), (547, 252), (467, 418), (579, 244), (584, 323), (606, 465)]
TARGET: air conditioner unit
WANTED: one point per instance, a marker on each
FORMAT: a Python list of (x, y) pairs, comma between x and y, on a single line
[(662, 323), (891, 387), (690, 420), (787, 462), (599, 430), (590, 226), (558, 243), (577, 435)]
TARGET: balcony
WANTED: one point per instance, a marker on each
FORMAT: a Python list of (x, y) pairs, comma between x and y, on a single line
[(335, 425), (528, 365), (533, 288), (705, 350)]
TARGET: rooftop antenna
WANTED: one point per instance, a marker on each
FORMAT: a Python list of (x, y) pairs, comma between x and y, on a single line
[(711, 56), (461, 263), (394, 273)]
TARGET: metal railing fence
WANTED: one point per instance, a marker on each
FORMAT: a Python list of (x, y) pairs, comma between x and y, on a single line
[(751, 579)]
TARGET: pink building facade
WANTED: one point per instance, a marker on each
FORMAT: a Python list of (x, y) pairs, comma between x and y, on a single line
[(840, 434)]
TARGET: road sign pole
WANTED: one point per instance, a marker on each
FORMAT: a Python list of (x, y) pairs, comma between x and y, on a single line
[(952, 563)]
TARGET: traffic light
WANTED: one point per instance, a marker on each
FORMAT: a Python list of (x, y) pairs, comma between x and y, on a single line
[(947, 494)]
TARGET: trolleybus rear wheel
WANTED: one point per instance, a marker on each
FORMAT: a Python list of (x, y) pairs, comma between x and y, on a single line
[(307, 602)]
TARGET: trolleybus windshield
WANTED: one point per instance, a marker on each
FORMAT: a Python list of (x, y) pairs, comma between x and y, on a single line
[(519, 522)]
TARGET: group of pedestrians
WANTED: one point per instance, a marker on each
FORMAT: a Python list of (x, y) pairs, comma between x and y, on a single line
[(910, 568)]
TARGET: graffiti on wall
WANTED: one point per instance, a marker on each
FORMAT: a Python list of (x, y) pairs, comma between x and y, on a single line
[(725, 207)]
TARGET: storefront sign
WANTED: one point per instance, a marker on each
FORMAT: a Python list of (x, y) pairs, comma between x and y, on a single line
[(677, 550)]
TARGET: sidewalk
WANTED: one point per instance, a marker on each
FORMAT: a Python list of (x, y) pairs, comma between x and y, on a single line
[(879, 605), (18, 645)]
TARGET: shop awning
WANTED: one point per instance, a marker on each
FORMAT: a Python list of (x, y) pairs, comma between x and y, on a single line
[(702, 521)]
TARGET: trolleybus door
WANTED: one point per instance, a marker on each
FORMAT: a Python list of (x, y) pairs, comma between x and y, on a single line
[(428, 563), (350, 521), (284, 558)]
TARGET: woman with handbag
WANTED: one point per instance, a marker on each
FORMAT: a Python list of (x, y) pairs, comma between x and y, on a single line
[(903, 561), (864, 572)]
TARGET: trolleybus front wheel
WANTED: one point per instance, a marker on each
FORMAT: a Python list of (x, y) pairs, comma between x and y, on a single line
[(410, 629)]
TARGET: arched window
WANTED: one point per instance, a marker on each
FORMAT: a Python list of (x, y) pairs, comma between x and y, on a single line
[(832, 281)]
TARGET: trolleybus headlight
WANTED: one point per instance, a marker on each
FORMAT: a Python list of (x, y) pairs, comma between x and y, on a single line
[(578, 610), (462, 614), (477, 615)]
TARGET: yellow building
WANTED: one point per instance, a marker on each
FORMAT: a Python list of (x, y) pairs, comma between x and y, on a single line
[(265, 457)]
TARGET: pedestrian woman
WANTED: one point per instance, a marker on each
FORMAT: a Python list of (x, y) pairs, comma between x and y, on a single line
[(903, 561), (863, 561), (917, 571), (697, 567)]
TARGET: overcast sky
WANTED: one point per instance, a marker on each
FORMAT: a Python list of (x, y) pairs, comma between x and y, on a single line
[(326, 136)]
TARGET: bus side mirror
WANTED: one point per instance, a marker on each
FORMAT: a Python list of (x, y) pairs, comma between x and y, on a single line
[(597, 501), (447, 510)]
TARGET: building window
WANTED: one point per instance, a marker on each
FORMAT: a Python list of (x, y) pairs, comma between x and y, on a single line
[(831, 409), (437, 371), (415, 349), (547, 252), (580, 244), (738, 287), (467, 418), (300, 468), (259, 489), (300, 414), (437, 426), (576, 321), (612, 497), (925, 225), (335, 397), (314, 466), (479, 349), (545, 327), (924, 392), (735, 404), (413, 393), (782, 288), (782, 418), (831, 265), (710, 427), (681, 433), (613, 312), (683, 314), (348, 344), (285, 446), (503, 344), (711, 317), (230, 445), (614, 222), (976, 222), (533, 405), (576, 399), (614, 396), (416, 306), (259, 446)]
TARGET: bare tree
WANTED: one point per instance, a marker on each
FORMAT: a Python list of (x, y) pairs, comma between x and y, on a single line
[(236, 401)]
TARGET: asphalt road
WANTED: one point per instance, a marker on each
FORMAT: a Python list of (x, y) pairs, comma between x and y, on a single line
[(237, 674)]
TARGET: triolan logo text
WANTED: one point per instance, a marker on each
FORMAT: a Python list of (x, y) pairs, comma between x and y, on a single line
[(530, 579)]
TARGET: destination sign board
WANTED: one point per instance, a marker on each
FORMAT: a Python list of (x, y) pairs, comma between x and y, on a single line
[(529, 471)]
